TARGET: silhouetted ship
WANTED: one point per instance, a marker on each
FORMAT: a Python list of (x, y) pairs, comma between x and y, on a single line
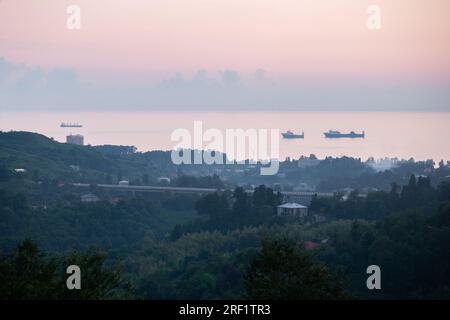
[(290, 135), (337, 134), (71, 125)]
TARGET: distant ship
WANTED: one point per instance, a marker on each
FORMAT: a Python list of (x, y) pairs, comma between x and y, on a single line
[(337, 134), (290, 135), (70, 125)]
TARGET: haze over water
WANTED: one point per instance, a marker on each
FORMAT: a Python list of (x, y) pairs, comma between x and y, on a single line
[(421, 135)]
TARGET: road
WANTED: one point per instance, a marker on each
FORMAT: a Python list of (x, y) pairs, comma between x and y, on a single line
[(192, 190)]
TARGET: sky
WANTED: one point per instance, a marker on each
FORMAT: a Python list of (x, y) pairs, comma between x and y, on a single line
[(225, 55)]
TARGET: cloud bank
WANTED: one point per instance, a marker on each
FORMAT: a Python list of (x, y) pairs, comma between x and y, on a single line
[(23, 88)]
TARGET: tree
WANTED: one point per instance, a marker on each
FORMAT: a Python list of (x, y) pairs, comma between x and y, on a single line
[(241, 205), (145, 179), (5, 174), (284, 271), (97, 281), (444, 191), (177, 232), (215, 206), (27, 273)]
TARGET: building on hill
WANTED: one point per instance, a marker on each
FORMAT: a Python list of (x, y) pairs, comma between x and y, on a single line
[(164, 180), (89, 198), (74, 167), (292, 209), (77, 139)]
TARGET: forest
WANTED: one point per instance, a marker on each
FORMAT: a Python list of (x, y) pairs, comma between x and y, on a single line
[(224, 245)]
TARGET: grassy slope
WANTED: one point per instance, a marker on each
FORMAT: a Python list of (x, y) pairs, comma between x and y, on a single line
[(53, 159)]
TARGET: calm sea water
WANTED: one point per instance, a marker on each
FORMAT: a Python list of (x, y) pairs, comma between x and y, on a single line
[(420, 135)]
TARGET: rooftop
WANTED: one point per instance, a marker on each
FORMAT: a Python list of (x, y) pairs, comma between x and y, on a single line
[(89, 195), (292, 205)]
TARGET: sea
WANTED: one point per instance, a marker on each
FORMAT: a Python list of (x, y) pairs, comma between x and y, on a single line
[(401, 135)]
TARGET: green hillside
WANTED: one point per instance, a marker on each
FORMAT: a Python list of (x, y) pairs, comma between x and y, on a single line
[(51, 159)]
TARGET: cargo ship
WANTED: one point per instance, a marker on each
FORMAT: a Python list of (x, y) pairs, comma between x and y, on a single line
[(70, 125), (290, 135), (337, 134)]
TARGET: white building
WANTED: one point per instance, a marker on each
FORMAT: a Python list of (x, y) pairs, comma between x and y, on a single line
[(292, 209), (89, 198), (77, 139), (165, 180)]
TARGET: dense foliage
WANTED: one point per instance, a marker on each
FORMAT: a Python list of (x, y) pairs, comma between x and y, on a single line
[(192, 246), (285, 271), (27, 273)]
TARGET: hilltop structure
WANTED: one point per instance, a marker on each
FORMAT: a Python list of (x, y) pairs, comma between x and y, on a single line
[(292, 209), (77, 139)]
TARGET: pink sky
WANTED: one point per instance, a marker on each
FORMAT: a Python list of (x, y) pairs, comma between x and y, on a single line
[(288, 38)]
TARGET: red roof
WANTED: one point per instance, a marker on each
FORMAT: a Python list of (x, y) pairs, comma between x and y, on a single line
[(310, 245), (114, 200)]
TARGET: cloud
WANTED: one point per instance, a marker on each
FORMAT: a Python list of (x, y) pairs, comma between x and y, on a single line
[(25, 88), (62, 79), (260, 75), (6, 69), (34, 89), (230, 77)]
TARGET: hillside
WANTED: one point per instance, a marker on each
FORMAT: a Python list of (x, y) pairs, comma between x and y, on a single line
[(48, 158)]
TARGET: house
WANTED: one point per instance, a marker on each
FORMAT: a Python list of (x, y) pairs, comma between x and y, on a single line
[(292, 209), (164, 180), (74, 167), (89, 198)]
